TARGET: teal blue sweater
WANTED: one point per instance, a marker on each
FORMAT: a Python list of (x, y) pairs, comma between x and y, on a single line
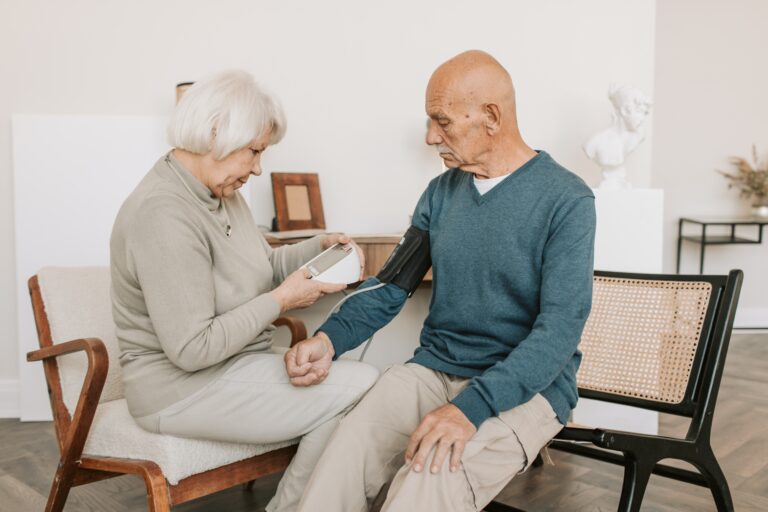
[(511, 288)]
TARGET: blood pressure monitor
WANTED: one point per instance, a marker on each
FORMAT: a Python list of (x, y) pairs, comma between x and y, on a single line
[(339, 264)]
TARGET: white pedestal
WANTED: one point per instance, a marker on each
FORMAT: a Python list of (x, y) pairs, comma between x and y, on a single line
[(629, 230), (628, 239)]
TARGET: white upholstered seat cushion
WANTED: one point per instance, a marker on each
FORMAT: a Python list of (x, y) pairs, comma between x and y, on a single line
[(114, 433)]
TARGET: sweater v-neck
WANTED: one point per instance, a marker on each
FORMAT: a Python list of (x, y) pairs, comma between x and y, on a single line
[(514, 176)]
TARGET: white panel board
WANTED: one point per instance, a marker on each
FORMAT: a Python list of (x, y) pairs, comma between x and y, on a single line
[(71, 174)]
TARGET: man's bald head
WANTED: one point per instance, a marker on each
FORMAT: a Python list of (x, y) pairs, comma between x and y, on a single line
[(474, 78), (473, 120)]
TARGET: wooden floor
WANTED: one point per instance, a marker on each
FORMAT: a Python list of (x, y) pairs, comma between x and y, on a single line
[(28, 456)]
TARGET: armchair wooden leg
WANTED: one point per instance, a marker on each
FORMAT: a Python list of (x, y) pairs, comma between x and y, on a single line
[(157, 491), (637, 472), (158, 502), (62, 483)]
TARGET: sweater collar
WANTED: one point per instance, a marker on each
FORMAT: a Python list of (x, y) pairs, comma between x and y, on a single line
[(512, 177), (193, 186)]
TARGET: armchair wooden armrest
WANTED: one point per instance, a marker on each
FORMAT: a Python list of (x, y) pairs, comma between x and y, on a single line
[(296, 326), (90, 345)]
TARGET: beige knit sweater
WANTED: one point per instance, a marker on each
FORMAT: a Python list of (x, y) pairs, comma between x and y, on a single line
[(187, 299)]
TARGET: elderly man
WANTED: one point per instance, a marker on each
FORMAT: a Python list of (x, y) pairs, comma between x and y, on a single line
[(493, 380)]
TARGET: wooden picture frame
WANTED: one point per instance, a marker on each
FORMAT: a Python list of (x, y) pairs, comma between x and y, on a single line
[(298, 204)]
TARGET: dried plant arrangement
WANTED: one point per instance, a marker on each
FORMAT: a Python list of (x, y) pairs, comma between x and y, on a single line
[(750, 179)]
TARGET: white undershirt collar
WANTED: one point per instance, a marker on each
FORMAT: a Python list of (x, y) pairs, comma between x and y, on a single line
[(483, 186)]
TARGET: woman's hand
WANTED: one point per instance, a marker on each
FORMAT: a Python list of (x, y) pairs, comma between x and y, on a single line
[(341, 238), (299, 291)]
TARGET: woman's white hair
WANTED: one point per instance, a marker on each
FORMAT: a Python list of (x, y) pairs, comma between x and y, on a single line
[(224, 112)]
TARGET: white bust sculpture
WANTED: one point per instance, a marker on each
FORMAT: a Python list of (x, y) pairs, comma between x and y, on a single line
[(610, 147)]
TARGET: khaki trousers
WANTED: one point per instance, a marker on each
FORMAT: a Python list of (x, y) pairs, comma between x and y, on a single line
[(254, 402), (367, 449)]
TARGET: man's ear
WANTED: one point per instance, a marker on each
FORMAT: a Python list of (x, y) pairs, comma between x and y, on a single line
[(492, 114)]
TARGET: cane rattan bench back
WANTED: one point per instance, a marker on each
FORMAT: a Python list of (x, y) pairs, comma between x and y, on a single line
[(646, 339)]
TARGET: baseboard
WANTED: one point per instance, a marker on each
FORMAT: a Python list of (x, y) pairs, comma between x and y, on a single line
[(751, 318), (9, 398)]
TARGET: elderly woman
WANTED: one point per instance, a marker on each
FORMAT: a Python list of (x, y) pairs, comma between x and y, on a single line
[(195, 289)]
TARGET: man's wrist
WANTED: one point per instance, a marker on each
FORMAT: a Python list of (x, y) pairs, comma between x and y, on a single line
[(328, 343), (473, 405)]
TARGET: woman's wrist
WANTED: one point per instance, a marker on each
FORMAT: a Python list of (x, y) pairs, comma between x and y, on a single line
[(279, 298)]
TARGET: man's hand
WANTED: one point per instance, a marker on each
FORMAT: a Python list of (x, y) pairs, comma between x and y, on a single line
[(309, 361), (341, 238), (446, 428)]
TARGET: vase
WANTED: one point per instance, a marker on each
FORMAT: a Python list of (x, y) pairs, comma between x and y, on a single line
[(760, 210)]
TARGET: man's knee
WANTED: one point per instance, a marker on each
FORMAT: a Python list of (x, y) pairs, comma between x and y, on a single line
[(446, 491)]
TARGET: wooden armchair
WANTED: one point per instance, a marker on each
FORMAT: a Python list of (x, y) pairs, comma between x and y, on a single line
[(97, 437)]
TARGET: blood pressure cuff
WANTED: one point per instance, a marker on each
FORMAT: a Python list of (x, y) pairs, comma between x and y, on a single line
[(409, 262)]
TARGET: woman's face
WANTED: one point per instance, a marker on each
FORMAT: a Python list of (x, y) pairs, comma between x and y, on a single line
[(229, 174)]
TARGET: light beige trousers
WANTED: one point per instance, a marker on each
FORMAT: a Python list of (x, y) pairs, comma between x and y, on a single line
[(254, 402), (367, 449)]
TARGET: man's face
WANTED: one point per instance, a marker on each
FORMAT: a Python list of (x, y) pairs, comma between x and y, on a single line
[(455, 129)]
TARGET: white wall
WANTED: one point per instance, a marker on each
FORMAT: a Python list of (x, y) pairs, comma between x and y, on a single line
[(711, 102), (351, 76)]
